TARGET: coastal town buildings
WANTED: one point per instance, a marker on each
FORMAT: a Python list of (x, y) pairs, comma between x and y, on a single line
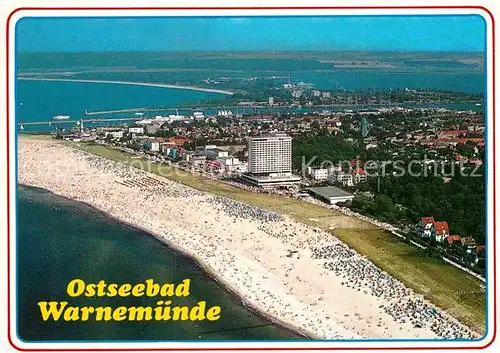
[(216, 153), (318, 173), (270, 154), (345, 179), (434, 232), (220, 145), (442, 231), (152, 145), (198, 160), (425, 227), (331, 194), (115, 133), (139, 130), (270, 161), (359, 176), (428, 228)]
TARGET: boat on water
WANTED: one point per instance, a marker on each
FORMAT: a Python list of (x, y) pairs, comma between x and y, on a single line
[(61, 117)]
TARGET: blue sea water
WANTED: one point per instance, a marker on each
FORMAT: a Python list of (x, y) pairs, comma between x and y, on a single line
[(42, 100), (362, 80), (60, 240)]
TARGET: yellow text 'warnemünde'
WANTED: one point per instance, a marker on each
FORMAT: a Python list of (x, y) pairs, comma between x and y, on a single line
[(162, 311)]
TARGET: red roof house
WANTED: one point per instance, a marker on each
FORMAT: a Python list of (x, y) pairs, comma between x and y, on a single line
[(427, 220), (360, 175), (475, 161), (442, 228), (360, 171), (452, 239), (354, 162), (179, 141)]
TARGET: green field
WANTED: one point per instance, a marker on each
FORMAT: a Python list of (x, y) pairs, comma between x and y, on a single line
[(442, 284)]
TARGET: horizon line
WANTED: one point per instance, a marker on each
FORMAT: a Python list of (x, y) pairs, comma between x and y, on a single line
[(260, 51)]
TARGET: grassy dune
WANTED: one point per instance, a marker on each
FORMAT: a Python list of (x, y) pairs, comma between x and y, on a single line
[(442, 284)]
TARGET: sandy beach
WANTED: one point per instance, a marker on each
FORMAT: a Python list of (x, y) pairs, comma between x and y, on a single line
[(300, 276)]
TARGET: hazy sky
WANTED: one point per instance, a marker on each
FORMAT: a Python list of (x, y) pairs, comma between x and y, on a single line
[(409, 33)]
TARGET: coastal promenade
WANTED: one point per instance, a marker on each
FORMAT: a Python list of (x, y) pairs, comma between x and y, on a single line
[(149, 84), (298, 275)]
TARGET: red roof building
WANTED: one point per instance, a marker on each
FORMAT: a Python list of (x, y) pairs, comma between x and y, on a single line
[(354, 162), (442, 228), (470, 139), (452, 239), (452, 133), (475, 161), (179, 141), (360, 171), (360, 175), (427, 220)]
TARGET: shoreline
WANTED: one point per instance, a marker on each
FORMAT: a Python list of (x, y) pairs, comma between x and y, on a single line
[(244, 256), (130, 83), (203, 267)]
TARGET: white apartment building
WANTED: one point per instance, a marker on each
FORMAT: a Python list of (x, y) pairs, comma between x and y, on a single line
[(117, 134), (198, 116), (270, 161), (214, 153), (270, 154), (139, 130), (234, 165), (153, 146), (319, 173), (346, 179)]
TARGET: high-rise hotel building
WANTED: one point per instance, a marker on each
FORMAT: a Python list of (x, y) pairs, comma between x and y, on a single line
[(270, 154), (270, 161)]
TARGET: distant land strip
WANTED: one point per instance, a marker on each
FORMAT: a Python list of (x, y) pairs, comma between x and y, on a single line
[(162, 85)]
